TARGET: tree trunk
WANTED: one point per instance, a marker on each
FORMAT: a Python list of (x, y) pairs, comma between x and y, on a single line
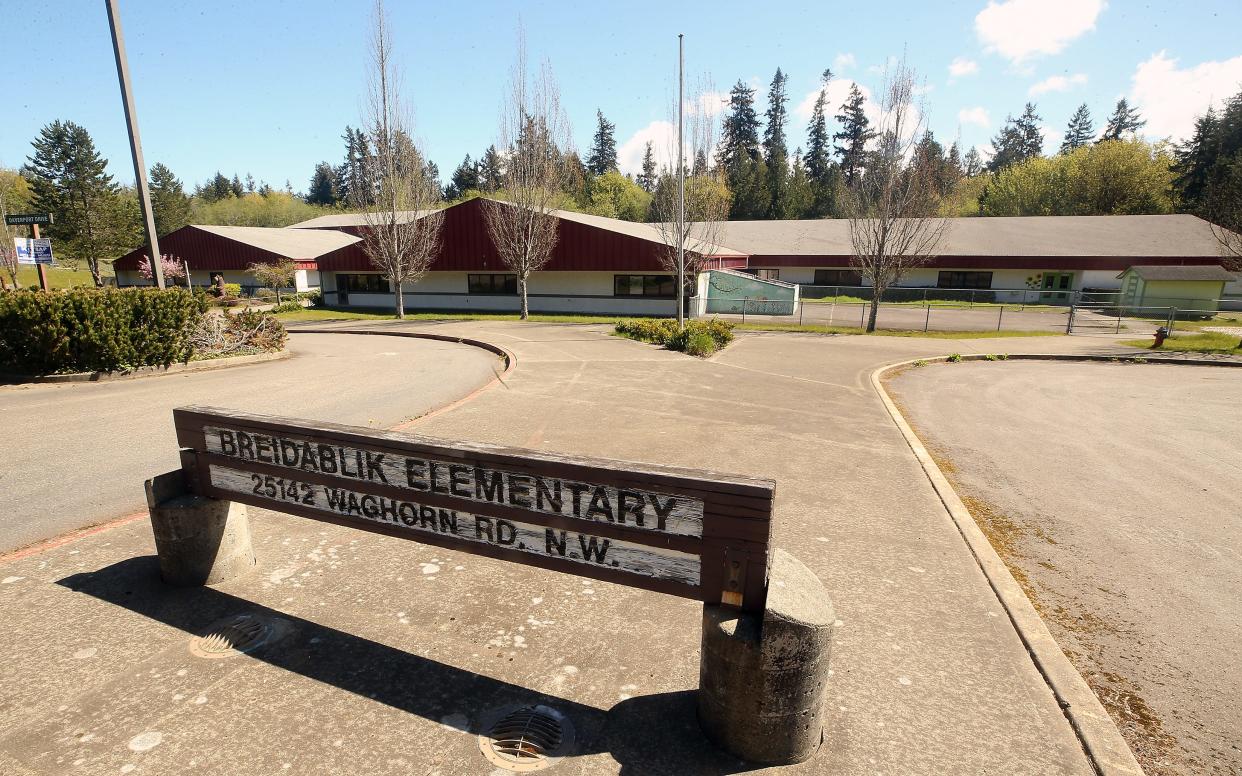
[(278, 296), (400, 301), (522, 290), (875, 309), (98, 278)]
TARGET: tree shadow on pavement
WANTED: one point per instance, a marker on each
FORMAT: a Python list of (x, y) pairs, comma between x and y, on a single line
[(651, 734)]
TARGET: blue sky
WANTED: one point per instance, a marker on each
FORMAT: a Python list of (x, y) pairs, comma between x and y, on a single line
[(267, 86)]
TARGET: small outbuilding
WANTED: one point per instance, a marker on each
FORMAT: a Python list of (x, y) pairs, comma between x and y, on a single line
[(1190, 288)]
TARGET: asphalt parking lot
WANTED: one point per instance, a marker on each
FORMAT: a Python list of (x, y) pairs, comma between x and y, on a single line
[(1111, 491)]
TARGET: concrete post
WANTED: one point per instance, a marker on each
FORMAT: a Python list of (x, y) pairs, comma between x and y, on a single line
[(763, 678), (200, 541)]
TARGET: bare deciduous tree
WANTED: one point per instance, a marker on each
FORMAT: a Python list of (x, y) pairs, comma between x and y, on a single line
[(534, 133), (893, 207), (401, 227), (8, 251), (707, 196)]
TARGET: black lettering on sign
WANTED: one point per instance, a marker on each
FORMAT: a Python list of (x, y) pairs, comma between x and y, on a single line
[(634, 507), (512, 535)]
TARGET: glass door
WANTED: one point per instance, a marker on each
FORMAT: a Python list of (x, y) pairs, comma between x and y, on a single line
[(1057, 281)]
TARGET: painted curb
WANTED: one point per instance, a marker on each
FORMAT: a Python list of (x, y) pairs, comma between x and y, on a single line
[(1101, 740), (506, 354), (147, 371)]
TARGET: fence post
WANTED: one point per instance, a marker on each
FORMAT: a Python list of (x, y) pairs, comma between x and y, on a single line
[(744, 300), (1172, 318), (1118, 331), (972, 300), (927, 319), (801, 307), (1000, 316), (862, 319), (1069, 323)]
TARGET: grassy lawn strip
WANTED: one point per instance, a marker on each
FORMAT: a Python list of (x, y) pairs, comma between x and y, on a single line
[(1204, 342), (335, 314), (895, 332), (57, 277)]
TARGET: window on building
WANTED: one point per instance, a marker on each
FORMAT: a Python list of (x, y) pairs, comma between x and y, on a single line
[(959, 279), (491, 284), (768, 274), (363, 284), (659, 286), (837, 277)]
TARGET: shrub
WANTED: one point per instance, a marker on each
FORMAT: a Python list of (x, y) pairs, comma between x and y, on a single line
[(265, 293), (96, 329), (232, 289), (954, 358), (663, 331), (287, 307), (232, 335), (701, 344)]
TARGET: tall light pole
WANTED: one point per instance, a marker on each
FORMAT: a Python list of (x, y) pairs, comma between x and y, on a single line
[(135, 143), (681, 185)]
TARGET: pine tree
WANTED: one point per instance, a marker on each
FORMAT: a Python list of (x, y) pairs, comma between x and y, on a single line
[(701, 165), (603, 156), (1080, 131), (648, 178), (1195, 159), (800, 198), (235, 187), (740, 139), (68, 178), (491, 172), (775, 151), (854, 135), (465, 178), (169, 204), (972, 164), (954, 160), (249, 183), (323, 186), (352, 185), (818, 157), (1018, 140), (1124, 121)]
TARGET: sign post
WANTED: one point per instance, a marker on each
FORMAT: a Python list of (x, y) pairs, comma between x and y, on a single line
[(33, 220)]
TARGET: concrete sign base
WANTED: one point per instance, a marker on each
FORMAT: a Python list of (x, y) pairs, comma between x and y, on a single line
[(763, 678), (200, 541)]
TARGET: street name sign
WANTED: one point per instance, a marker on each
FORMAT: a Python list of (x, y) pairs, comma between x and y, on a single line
[(27, 219), (32, 251), (689, 533)]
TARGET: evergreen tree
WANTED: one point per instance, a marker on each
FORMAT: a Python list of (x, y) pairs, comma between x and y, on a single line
[(323, 183), (740, 141), (818, 157), (648, 178), (1195, 160), (701, 165), (954, 160), (1080, 131), (249, 183), (491, 172), (214, 190), (577, 178), (235, 186), (800, 198), (1018, 140), (603, 156), (169, 204), (465, 178), (775, 151), (1124, 121), (352, 185), (68, 179), (931, 160), (853, 137), (972, 164)]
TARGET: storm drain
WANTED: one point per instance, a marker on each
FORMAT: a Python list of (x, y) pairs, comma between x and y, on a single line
[(235, 635), (529, 738)]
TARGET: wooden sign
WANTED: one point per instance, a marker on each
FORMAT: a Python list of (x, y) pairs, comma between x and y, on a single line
[(689, 533)]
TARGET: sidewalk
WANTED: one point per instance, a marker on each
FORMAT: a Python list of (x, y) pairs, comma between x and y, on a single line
[(397, 651)]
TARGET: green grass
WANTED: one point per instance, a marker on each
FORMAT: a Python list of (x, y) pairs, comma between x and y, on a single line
[(962, 304), (1203, 342), (336, 314), (896, 332), (1222, 319), (57, 277)]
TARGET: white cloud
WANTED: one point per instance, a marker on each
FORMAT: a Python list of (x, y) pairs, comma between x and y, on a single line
[(962, 67), (978, 116), (710, 104), (1170, 98), (843, 62), (1058, 83), (663, 137), (838, 91), (1020, 30), (1052, 138)]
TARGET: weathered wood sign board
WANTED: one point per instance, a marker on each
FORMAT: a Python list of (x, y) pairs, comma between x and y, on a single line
[(689, 533)]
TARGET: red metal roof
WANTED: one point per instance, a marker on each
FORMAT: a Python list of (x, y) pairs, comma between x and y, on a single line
[(996, 262), (208, 251), (466, 246)]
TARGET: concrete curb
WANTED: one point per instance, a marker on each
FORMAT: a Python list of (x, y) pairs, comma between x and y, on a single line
[(1101, 740), (147, 371), (509, 358)]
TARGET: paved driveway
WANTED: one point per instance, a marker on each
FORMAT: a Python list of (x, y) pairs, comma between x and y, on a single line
[(1113, 490), (77, 454), (399, 650)]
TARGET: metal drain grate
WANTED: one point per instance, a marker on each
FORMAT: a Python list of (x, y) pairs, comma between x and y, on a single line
[(236, 635), (528, 738)]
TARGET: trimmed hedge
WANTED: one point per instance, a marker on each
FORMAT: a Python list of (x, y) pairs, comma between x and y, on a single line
[(91, 329), (663, 331)]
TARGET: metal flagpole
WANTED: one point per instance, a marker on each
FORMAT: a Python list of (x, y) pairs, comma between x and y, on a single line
[(135, 143), (681, 185)]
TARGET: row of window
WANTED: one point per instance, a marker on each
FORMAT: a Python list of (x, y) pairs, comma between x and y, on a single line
[(651, 286), (654, 286)]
